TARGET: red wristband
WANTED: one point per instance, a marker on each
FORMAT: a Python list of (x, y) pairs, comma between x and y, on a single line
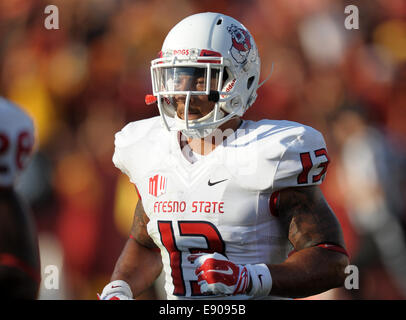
[(328, 246), (333, 247)]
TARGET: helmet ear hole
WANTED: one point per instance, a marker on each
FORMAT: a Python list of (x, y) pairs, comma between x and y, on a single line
[(225, 75), (250, 82)]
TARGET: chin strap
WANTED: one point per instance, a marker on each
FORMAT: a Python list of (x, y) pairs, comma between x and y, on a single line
[(199, 133), (267, 78)]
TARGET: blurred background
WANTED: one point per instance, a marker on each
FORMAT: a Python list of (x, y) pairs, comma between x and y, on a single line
[(86, 80)]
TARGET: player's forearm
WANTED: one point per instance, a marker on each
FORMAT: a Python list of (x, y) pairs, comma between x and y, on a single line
[(138, 266), (308, 272)]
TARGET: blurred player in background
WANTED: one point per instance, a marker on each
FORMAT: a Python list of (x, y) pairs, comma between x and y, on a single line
[(370, 169), (19, 255), (229, 208)]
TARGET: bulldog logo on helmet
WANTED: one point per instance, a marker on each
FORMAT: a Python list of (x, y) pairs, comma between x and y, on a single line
[(241, 43)]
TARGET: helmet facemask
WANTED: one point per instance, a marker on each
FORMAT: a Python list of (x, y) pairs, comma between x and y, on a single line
[(211, 78)]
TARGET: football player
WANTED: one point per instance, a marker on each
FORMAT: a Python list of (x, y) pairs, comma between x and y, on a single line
[(19, 255), (229, 208)]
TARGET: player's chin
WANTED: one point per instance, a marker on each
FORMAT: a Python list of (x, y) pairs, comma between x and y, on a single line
[(191, 115)]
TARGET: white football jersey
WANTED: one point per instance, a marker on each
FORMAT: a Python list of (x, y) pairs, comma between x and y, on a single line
[(16, 141), (221, 201)]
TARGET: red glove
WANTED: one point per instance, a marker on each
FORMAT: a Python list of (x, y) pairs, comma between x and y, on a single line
[(218, 275)]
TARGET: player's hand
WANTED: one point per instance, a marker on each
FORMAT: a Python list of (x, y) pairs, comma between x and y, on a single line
[(218, 275), (116, 290)]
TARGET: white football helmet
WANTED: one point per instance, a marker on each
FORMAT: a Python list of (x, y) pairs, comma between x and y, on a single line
[(220, 50)]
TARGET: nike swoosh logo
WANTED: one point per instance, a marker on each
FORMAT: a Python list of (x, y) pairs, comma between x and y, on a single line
[(213, 183), (260, 278), (115, 286), (229, 271)]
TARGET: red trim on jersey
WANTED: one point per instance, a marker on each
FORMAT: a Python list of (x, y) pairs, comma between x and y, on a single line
[(328, 246), (272, 204), (175, 256), (195, 288), (138, 193), (307, 165), (324, 165), (9, 260)]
